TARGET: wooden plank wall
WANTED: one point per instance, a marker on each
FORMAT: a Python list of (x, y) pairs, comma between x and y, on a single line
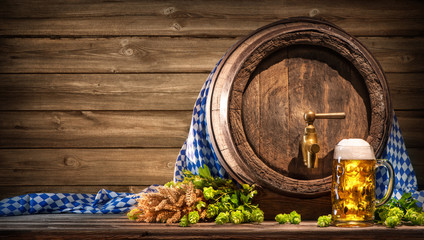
[(99, 94)]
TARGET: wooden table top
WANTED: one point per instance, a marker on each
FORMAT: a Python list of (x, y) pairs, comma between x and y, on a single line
[(112, 226)]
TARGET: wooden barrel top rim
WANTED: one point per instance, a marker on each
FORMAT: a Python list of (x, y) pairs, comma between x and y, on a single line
[(274, 37)]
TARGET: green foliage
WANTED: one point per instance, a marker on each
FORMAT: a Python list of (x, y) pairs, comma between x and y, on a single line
[(394, 212), (418, 219), (209, 192), (223, 217), (294, 218), (324, 221), (257, 215), (236, 217), (247, 216), (193, 217), (184, 221), (392, 221), (404, 203), (224, 200), (410, 214), (212, 211), (282, 218), (200, 205)]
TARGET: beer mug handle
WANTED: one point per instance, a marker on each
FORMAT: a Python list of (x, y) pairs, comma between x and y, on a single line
[(389, 192)]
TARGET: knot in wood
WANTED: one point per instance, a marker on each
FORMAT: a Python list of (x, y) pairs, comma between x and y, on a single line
[(170, 164), (168, 11), (129, 52), (71, 162), (176, 27), (407, 58), (126, 51), (313, 12), (124, 42)]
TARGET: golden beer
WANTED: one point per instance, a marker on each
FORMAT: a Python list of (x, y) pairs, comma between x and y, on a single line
[(353, 183), (353, 191)]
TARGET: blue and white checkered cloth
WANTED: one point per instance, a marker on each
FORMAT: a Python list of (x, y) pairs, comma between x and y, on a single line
[(196, 151), (405, 179)]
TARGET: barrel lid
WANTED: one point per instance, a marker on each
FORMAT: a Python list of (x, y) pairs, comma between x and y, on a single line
[(265, 83)]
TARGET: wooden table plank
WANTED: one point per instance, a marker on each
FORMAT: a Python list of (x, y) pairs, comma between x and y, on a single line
[(68, 226)]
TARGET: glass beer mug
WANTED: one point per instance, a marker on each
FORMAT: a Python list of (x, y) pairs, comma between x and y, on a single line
[(353, 183)]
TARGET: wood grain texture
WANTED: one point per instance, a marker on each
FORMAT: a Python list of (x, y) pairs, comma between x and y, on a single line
[(110, 55), (114, 226), (176, 18), (91, 167), (93, 129), (172, 91), (345, 79), (164, 54), (273, 203), (412, 128), (416, 156), (117, 129), (99, 91), (406, 90), (80, 74), (311, 79)]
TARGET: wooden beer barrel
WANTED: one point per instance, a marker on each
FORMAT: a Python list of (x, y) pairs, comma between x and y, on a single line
[(269, 79)]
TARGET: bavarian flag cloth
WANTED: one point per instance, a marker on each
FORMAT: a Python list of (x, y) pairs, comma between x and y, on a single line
[(196, 151)]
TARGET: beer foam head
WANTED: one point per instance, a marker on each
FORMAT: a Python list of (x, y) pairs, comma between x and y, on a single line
[(353, 148)]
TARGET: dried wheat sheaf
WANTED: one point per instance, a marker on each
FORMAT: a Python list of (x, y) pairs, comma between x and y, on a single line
[(169, 204)]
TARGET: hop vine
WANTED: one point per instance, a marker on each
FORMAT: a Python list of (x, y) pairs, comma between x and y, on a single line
[(199, 198)]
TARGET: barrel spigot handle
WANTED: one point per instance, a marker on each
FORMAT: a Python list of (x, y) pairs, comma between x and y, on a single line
[(309, 144)]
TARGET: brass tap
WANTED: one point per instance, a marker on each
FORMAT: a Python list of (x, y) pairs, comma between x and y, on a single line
[(309, 144)]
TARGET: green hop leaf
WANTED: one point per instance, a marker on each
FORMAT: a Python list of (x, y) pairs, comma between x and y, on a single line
[(234, 199), (282, 218), (294, 218), (392, 221), (257, 215), (247, 187), (225, 199), (223, 207), (324, 221), (381, 212), (184, 221), (205, 172), (193, 217), (199, 183), (236, 217), (407, 202), (212, 211), (223, 217), (244, 198)]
